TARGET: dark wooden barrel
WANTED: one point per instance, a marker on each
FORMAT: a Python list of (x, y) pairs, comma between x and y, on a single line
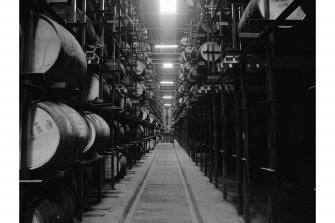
[(21, 47), (118, 126), (206, 26), (187, 66), (194, 89), (55, 138), (115, 96), (64, 10), (99, 133), (128, 22), (213, 46), (79, 128), (127, 131), (123, 164), (65, 198), (116, 70), (193, 75), (87, 181), (57, 54), (44, 210), (139, 132), (256, 10)]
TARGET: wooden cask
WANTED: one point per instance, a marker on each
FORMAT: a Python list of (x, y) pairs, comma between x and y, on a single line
[(57, 137), (99, 133), (57, 53)]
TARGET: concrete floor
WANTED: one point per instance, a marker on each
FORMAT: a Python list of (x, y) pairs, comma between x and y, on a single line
[(167, 187), (163, 197)]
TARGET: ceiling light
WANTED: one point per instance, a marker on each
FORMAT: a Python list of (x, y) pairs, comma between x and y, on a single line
[(167, 65), (167, 105), (168, 6), (167, 97), (166, 46), (167, 82)]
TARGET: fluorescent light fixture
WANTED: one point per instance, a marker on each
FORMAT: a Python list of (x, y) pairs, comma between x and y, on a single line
[(167, 105), (168, 6), (167, 65), (166, 46), (167, 97), (167, 82)]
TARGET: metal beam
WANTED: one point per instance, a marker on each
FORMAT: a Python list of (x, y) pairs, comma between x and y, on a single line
[(166, 14), (164, 59), (161, 28), (178, 54), (168, 68)]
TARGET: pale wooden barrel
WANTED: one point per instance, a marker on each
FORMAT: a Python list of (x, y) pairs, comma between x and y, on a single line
[(57, 54), (141, 113), (187, 66), (125, 103), (151, 118), (140, 89), (147, 114), (92, 86), (203, 48), (152, 144), (57, 136), (99, 133), (140, 68)]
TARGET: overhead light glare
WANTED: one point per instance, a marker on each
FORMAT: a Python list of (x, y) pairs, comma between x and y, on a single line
[(167, 97), (166, 46), (167, 65), (168, 6), (167, 105), (167, 82)]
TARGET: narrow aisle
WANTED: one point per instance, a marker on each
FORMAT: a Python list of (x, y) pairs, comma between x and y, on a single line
[(164, 196)]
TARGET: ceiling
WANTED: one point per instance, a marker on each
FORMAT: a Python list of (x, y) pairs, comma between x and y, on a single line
[(164, 29)]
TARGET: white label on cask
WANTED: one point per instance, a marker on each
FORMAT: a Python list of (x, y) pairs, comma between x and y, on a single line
[(43, 139), (108, 171)]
